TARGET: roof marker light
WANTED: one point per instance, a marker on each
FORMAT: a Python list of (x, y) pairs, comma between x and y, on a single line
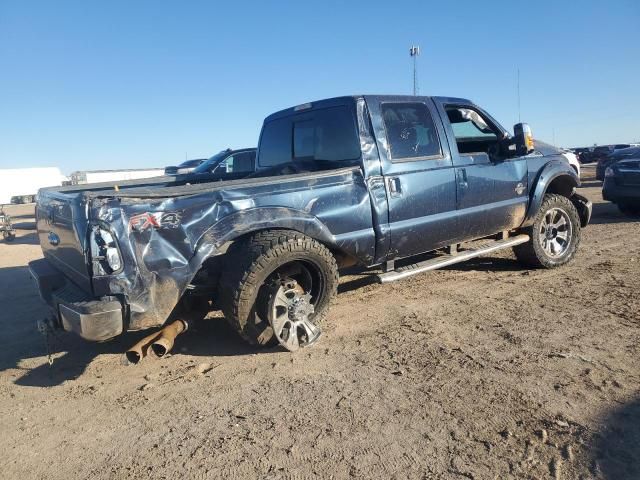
[(304, 106)]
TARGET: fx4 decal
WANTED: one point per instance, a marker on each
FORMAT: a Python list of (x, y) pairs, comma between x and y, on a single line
[(156, 220)]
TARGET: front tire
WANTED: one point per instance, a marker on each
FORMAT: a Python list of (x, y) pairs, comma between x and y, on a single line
[(272, 265), (554, 235)]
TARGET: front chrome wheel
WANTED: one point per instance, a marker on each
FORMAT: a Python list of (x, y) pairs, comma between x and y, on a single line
[(555, 232)]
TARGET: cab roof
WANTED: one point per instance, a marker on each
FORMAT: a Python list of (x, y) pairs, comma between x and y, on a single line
[(351, 99)]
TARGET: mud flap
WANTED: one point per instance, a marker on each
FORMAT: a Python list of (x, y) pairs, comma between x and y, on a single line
[(584, 207)]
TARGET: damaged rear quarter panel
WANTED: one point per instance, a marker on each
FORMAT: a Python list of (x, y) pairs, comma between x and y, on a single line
[(161, 257)]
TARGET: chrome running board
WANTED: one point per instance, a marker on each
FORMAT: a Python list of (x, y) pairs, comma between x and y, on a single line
[(446, 260)]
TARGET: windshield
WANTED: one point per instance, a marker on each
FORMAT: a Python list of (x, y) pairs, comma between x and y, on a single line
[(209, 165), (190, 163)]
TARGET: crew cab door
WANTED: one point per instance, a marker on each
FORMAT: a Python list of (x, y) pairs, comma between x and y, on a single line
[(418, 174), (492, 193)]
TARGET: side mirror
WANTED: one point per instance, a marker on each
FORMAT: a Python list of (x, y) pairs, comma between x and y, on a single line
[(220, 168), (523, 139)]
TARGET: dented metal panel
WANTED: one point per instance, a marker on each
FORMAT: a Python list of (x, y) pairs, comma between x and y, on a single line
[(164, 241)]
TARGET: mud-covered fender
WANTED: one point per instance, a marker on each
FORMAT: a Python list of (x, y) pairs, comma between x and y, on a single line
[(557, 173)]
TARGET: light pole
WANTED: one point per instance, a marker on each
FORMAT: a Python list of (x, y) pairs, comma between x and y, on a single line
[(414, 51)]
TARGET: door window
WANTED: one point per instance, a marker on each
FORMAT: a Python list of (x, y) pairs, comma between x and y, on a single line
[(411, 133), (473, 132), (240, 163)]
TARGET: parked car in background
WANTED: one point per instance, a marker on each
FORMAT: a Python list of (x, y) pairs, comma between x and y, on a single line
[(229, 164), (583, 154), (547, 149), (187, 166), (622, 183), (601, 152), (607, 157), (572, 158)]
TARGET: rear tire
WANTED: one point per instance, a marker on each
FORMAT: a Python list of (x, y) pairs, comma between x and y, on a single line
[(256, 263), (554, 235)]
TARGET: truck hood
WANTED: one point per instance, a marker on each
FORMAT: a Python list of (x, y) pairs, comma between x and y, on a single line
[(545, 148), (630, 164)]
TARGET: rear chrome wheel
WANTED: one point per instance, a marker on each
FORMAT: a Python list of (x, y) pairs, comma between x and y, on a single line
[(278, 287), (291, 315)]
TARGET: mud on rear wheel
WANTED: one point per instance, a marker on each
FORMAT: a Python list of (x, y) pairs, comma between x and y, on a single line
[(554, 235), (281, 278)]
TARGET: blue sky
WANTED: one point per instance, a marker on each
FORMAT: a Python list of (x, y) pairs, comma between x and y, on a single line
[(91, 85)]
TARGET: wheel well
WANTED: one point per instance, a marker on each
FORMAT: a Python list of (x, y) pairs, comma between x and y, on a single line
[(562, 185), (207, 278), (343, 259)]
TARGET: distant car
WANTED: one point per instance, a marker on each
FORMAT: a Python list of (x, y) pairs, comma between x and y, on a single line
[(616, 152), (622, 184), (547, 149), (229, 164), (187, 166), (583, 154)]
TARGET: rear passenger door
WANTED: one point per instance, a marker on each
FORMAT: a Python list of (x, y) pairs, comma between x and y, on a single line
[(418, 174)]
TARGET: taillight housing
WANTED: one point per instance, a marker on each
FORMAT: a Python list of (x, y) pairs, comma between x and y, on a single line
[(105, 255)]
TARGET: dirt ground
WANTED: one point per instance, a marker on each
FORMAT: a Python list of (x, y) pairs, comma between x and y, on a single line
[(482, 370)]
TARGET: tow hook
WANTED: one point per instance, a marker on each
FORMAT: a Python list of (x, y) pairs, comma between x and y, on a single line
[(46, 327)]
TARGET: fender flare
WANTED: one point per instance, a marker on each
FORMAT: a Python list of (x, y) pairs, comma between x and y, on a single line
[(551, 171), (246, 221), (251, 220)]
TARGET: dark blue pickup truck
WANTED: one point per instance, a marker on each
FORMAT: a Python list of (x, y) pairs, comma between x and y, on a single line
[(399, 182)]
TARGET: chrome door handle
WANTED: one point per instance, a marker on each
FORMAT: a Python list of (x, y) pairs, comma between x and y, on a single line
[(462, 178), (395, 187)]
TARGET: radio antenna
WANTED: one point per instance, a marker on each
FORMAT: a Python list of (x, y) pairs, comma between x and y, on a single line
[(518, 88)]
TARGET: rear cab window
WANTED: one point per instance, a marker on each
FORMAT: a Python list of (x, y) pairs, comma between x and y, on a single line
[(327, 137)]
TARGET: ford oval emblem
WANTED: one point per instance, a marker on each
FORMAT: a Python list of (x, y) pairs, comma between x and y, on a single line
[(54, 239)]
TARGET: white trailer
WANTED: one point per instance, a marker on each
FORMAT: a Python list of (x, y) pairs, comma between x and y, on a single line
[(98, 176), (20, 185)]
